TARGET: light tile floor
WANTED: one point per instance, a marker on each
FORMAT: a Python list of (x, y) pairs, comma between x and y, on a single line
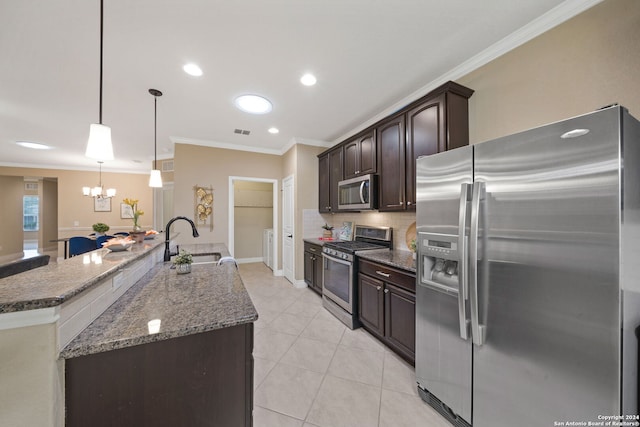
[(312, 371)]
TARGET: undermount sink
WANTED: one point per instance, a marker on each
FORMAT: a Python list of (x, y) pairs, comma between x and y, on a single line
[(206, 258)]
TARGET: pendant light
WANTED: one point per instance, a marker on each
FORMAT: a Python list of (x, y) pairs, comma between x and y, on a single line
[(98, 191), (155, 179), (99, 146)]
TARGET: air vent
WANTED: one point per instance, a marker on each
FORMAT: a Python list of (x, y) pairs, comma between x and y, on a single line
[(167, 166), (242, 131), (31, 186)]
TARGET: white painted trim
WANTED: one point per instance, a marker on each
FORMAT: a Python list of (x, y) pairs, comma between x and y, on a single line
[(249, 260), (540, 25), (230, 236), (300, 284), (278, 273), (21, 319), (225, 145)]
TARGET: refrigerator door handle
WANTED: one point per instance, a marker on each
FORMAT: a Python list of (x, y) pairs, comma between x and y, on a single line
[(477, 330), (463, 262)]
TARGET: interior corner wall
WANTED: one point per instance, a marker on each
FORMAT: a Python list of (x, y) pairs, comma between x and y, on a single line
[(585, 63), (50, 206), (208, 166)]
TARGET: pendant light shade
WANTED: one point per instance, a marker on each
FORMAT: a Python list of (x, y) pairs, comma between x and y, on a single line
[(99, 146), (155, 179)]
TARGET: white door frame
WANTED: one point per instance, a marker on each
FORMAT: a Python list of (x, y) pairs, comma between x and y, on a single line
[(274, 184), (291, 214)]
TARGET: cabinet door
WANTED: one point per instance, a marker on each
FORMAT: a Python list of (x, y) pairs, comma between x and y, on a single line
[(400, 320), (351, 160), (367, 148), (324, 201), (309, 266), (391, 165), (335, 176), (371, 303), (425, 135), (317, 273)]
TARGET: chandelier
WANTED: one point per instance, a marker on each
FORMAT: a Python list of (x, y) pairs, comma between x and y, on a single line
[(98, 191)]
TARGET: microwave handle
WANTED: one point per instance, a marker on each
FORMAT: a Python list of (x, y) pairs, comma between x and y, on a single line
[(362, 192)]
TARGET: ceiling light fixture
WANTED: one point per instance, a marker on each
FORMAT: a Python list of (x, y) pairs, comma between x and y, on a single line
[(33, 145), (274, 130), (98, 191), (155, 179), (308, 79), (192, 70), (99, 146), (253, 104)]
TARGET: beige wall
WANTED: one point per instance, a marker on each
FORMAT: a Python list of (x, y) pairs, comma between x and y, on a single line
[(585, 63), (49, 221), (11, 240), (206, 166)]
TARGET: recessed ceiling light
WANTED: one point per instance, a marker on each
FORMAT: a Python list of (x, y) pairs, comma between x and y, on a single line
[(192, 70), (253, 104), (308, 79), (33, 145), (274, 130)]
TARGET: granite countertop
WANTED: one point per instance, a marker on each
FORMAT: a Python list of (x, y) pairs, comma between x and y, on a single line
[(57, 282), (391, 257), (210, 297), (317, 240)]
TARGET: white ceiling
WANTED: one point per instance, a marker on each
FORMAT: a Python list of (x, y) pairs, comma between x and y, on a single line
[(369, 56)]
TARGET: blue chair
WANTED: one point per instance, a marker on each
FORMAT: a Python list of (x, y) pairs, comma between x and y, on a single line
[(101, 239), (121, 233), (79, 245)]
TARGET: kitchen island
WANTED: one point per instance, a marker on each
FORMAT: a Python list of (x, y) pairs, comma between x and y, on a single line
[(176, 349), (42, 312)]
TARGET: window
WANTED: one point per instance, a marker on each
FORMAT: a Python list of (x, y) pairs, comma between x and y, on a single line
[(30, 211)]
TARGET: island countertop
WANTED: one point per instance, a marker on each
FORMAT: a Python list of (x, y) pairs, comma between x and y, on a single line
[(210, 297), (57, 282)]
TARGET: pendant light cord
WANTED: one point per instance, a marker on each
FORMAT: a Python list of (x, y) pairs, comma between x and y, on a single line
[(155, 131), (101, 33)]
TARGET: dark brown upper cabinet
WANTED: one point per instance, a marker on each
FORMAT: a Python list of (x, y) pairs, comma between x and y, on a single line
[(360, 155), (391, 164), (330, 173), (435, 123)]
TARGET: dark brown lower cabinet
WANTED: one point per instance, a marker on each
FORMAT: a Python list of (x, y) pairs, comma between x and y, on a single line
[(205, 379), (387, 306), (313, 266)]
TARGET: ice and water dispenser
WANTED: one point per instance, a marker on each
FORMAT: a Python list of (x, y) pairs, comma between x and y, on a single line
[(439, 257)]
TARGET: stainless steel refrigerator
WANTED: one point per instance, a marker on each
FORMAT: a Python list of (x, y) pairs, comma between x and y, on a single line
[(528, 275)]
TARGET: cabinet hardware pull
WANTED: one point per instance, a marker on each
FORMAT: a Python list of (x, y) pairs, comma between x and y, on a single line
[(386, 291), (378, 287), (312, 250), (383, 274)]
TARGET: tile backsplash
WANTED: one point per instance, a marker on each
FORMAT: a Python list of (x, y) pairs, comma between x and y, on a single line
[(312, 222)]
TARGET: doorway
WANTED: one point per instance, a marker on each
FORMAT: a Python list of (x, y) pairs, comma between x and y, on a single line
[(253, 210)]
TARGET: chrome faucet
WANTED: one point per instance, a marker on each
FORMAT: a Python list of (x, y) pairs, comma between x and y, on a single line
[(167, 251)]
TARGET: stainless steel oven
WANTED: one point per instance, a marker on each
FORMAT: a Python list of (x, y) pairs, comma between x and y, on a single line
[(339, 271)]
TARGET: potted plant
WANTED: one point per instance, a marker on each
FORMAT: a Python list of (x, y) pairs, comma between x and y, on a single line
[(137, 234), (328, 231), (100, 228), (412, 247), (183, 261)]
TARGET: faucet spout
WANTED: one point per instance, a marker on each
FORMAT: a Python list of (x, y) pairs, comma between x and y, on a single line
[(167, 251)]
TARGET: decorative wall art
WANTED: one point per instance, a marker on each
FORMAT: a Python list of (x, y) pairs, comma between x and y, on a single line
[(101, 204), (126, 211), (203, 206)]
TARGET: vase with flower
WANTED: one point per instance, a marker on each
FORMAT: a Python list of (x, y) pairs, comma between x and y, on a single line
[(138, 233)]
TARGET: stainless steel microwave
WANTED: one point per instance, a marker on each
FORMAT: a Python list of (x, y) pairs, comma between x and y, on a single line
[(358, 194)]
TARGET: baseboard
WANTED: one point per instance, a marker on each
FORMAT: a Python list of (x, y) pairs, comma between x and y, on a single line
[(248, 260), (300, 284)]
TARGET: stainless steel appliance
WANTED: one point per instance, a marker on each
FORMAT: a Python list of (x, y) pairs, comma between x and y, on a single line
[(339, 272), (528, 280), (358, 194)]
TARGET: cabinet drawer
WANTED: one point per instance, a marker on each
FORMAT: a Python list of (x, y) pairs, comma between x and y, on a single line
[(388, 274), (314, 249)]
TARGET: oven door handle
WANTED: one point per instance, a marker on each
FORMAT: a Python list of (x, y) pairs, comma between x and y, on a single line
[(338, 260)]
